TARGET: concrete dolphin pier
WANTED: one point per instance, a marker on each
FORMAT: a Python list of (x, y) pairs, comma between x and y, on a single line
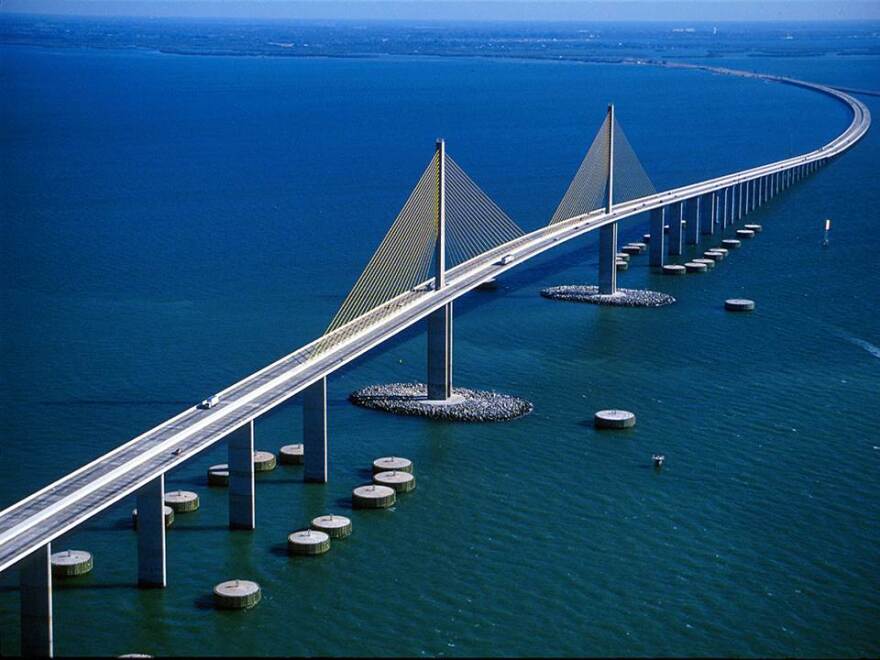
[(457, 208)]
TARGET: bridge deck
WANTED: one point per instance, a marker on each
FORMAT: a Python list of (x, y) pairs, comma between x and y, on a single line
[(72, 500)]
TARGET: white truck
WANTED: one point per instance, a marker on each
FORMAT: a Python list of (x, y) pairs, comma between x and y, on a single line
[(506, 259), (210, 402)]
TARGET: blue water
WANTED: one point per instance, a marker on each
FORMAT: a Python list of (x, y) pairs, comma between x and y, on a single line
[(171, 223)]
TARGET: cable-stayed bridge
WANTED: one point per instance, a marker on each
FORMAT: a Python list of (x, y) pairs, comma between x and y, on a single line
[(448, 238)]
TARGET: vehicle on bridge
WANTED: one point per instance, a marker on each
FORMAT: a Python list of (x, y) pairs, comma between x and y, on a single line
[(210, 402)]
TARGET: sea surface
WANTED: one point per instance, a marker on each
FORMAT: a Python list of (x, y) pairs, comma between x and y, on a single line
[(172, 222)]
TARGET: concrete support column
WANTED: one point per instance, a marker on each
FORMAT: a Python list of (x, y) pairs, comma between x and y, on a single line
[(608, 259), (242, 507), (725, 207), (440, 353), (151, 533), (741, 196), (315, 432), (657, 246), (692, 215), (674, 216), (35, 580), (710, 213)]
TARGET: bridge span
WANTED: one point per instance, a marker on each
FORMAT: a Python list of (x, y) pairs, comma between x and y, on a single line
[(28, 527)]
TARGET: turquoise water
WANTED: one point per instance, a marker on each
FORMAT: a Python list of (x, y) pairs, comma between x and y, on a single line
[(172, 223)]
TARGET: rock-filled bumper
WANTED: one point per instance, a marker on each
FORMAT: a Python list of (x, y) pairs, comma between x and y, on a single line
[(623, 297), (465, 405)]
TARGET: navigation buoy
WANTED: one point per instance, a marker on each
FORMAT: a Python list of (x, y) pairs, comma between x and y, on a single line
[(308, 542), (827, 230), (614, 419), (167, 512), (291, 454), (336, 527), (373, 496), (182, 501), (218, 475), (387, 463), (264, 461), (674, 269), (739, 305), (402, 482), (694, 267), (71, 563), (237, 594)]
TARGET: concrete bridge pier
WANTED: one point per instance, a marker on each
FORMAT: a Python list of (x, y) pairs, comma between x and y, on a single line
[(740, 200), (674, 216), (315, 432), (242, 507), (35, 581), (692, 215), (608, 259), (440, 354), (710, 213), (151, 533), (657, 246), (725, 207)]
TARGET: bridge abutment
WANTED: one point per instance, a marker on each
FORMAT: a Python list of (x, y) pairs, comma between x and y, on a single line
[(242, 506), (151, 533), (35, 580), (315, 432), (440, 354)]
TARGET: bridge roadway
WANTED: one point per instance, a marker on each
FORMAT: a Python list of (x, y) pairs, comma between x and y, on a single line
[(70, 501)]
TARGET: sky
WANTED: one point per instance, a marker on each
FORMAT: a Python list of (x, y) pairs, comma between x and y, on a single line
[(478, 10)]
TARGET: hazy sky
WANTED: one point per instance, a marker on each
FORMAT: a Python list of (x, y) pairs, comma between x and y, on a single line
[(532, 10)]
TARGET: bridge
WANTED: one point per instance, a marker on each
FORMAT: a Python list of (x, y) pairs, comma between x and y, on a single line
[(448, 239)]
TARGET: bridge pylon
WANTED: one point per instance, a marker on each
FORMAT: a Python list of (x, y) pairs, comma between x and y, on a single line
[(440, 321)]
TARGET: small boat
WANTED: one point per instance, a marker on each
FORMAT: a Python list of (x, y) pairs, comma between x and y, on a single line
[(658, 460)]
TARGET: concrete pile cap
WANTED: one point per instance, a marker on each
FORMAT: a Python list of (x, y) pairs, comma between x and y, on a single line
[(182, 501), (264, 461), (336, 527), (402, 482), (739, 305), (237, 594), (291, 454), (167, 513), (614, 419), (308, 542), (373, 496), (674, 269), (70, 563), (710, 263), (386, 463), (218, 475), (694, 267), (731, 243), (745, 233)]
